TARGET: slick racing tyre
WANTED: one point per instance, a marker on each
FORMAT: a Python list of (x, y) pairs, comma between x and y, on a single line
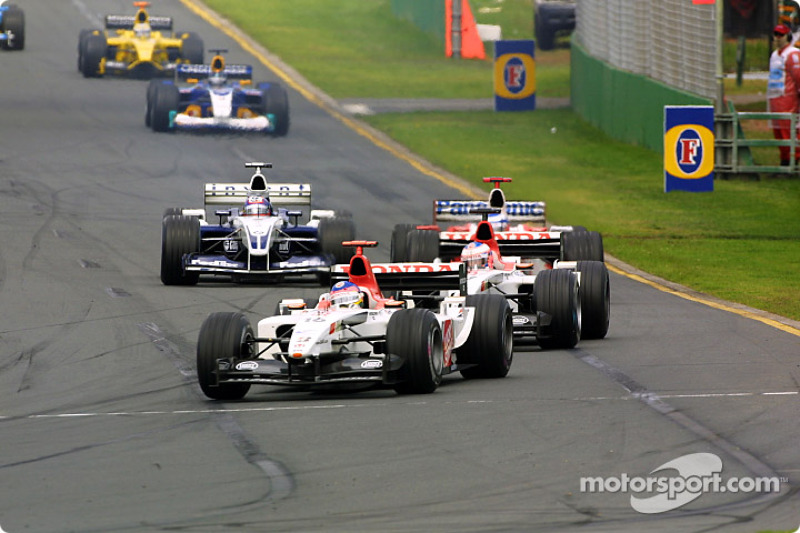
[(555, 292), (165, 100), (423, 245), (276, 103), (399, 249), (581, 246), (180, 235), (595, 299), (93, 52), (416, 337), (192, 48), (152, 87), (13, 24), (223, 336), (332, 233), (491, 342), (172, 211)]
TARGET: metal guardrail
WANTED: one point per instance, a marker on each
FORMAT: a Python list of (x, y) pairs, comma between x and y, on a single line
[(732, 153)]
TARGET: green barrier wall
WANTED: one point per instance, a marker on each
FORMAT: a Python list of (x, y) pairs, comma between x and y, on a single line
[(427, 15), (629, 107)]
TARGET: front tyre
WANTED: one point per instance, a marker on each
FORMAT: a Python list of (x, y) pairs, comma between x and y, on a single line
[(165, 101), (223, 336), (180, 235), (490, 344), (94, 50), (416, 336), (276, 103)]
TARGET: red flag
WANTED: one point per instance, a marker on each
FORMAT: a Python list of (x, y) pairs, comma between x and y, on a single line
[(701, 2)]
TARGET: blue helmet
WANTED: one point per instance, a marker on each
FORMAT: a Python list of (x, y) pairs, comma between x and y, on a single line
[(346, 294)]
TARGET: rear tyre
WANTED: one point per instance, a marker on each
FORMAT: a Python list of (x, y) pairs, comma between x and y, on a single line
[(415, 336), (491, 342), (581, 246), (94, 50), (332, 233), (423, 245), (13, 23), (595, 294), (192, 48), (165, 101), (180, 235), (223, 336), (399, 250), (276, 103), (555, 292)]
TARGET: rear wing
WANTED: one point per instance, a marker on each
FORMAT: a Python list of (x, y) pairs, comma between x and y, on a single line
[(237, 193), (185, 71), (459, 211), (412, 276), (524, 244), (126, 22)]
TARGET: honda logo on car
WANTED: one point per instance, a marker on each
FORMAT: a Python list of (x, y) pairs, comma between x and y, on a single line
[(398, 268), (372, 363), (247, 365)]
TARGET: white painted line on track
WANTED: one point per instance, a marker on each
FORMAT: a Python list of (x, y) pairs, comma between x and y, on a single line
[(94, 19), (395, 405)]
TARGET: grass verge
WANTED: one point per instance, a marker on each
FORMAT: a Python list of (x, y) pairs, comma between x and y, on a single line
[(740, 243)]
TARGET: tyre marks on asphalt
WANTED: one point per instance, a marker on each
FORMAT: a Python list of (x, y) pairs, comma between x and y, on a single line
[(281, 482), (659, 404)]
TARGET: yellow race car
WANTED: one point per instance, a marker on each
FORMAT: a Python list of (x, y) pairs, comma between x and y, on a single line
[(139, 46)]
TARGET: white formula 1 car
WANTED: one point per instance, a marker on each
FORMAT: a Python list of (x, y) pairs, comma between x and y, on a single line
[(519, 229), (554, 306), (354, 336), (217, 97), (254, 238)]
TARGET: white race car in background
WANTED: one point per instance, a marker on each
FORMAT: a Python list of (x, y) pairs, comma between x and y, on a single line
[(519, 228), (256, 248), (554, 306), (382, 344)]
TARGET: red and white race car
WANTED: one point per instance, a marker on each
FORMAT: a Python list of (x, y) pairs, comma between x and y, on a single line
[(519, 228), (354, 336), (553, 307)]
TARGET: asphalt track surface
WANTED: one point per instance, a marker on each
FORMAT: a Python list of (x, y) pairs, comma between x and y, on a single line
[(102, 425)]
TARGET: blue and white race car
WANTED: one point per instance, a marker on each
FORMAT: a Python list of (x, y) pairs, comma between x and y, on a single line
[(255, 238), (216, 97), (12, 27)]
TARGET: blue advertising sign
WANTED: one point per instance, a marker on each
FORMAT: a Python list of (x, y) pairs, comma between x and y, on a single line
[(514, 76), (689, 148)]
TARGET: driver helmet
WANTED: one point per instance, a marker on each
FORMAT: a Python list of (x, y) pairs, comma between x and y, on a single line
[(217, 79), (142, 31), (346, 294), (256, 206), (476, 255)]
